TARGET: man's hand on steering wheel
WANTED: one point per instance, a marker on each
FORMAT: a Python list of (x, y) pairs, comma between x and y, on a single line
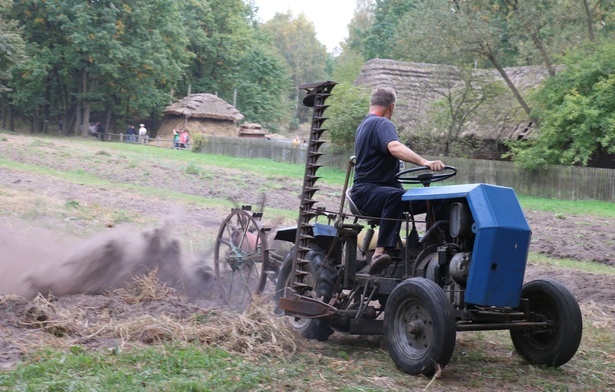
[(424, 174), (435, 165)]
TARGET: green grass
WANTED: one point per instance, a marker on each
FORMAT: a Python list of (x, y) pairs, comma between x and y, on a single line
[(267, 169), (568, 207), (169, 368), (586, 266), (482, 361)]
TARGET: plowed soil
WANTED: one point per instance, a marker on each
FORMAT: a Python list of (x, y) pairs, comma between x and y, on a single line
[(73, 239)]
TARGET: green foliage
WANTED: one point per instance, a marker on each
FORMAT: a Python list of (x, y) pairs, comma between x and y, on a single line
[(219, 32), (261, 97), (198, 141), (485, 33), (122, 60), (576, 110), (193, 169), (114, 56), (359, 26), (380, 41), (12, 47), (347, 65), (72, 204), (305, 57), (349, 105)]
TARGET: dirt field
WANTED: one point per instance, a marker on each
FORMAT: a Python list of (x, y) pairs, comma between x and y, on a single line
[(69, 238)]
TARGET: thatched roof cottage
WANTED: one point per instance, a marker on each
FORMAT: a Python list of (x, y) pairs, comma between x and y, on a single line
[(419, 85), (200, 113)]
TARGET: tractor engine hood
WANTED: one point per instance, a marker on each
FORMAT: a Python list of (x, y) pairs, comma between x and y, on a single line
[(502, 242)]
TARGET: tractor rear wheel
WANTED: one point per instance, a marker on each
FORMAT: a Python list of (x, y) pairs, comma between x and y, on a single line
[(322, 278), (550, 301), (241, 259), (419, 326)]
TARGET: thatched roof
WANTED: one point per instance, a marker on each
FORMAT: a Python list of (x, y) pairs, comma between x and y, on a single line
[(204, 106), (419, 85)]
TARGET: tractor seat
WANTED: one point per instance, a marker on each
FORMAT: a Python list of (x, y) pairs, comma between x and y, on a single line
[(356, 211)]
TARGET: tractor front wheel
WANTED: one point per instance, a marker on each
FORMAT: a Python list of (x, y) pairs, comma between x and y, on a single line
[(551, 302), (419, 326)]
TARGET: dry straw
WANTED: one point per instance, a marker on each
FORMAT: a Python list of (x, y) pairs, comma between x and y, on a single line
[(146, 313)]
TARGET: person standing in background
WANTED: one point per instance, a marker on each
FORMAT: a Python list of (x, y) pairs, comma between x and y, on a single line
[(176, 139), (100, 131), (142, 133), (183, 139), (131, 134)]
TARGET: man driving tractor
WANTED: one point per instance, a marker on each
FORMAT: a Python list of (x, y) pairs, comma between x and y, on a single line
[(376, 190)]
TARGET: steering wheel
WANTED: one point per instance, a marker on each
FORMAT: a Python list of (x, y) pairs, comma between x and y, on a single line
[(426, 176)]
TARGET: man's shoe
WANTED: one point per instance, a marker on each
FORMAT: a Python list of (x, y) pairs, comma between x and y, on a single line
[(379, 263)]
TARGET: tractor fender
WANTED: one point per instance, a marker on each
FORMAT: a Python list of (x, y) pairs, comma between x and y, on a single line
[(318, 230)]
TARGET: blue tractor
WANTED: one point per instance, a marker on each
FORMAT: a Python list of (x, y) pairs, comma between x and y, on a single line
[(463, 273)]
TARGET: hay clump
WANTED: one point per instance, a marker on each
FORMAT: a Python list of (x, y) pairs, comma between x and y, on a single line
[(257, 332), (144, 313), (144, 288), (44, 315)]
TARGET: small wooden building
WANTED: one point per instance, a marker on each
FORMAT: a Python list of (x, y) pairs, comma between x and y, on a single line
[(200, 113), (252, 130)]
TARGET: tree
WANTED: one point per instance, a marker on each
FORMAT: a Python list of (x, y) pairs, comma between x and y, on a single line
[(540, 31), (12, 47), (577, 112), (463, 32), (347, 66), (262, 95), (597, 16), (220, 33), (108, 56), (306, 58), (379, 40), (349, 105), (460, 103)]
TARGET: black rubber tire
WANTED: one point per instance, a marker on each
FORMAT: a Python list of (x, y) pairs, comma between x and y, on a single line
[(423, 304), (550, 301), (325, 276)]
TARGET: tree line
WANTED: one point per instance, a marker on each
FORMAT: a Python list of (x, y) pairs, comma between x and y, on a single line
[(65, 61), (123, 61)]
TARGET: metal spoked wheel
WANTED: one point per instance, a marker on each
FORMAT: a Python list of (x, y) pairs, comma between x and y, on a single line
[(419, 326), (241, 259)]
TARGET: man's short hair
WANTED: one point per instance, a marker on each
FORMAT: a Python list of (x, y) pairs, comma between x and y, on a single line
[(383, 96)]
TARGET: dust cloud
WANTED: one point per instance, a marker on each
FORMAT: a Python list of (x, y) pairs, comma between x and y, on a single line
[(36, 260)]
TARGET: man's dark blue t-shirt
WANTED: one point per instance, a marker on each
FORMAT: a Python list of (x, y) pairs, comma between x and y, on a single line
[(375, 165)]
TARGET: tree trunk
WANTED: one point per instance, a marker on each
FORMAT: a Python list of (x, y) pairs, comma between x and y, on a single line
[(543, 53), (510, 84), (85, 104), (11, 118), (72, 122), (78, 125), (46, 106), (589, 19), (3, 112)]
